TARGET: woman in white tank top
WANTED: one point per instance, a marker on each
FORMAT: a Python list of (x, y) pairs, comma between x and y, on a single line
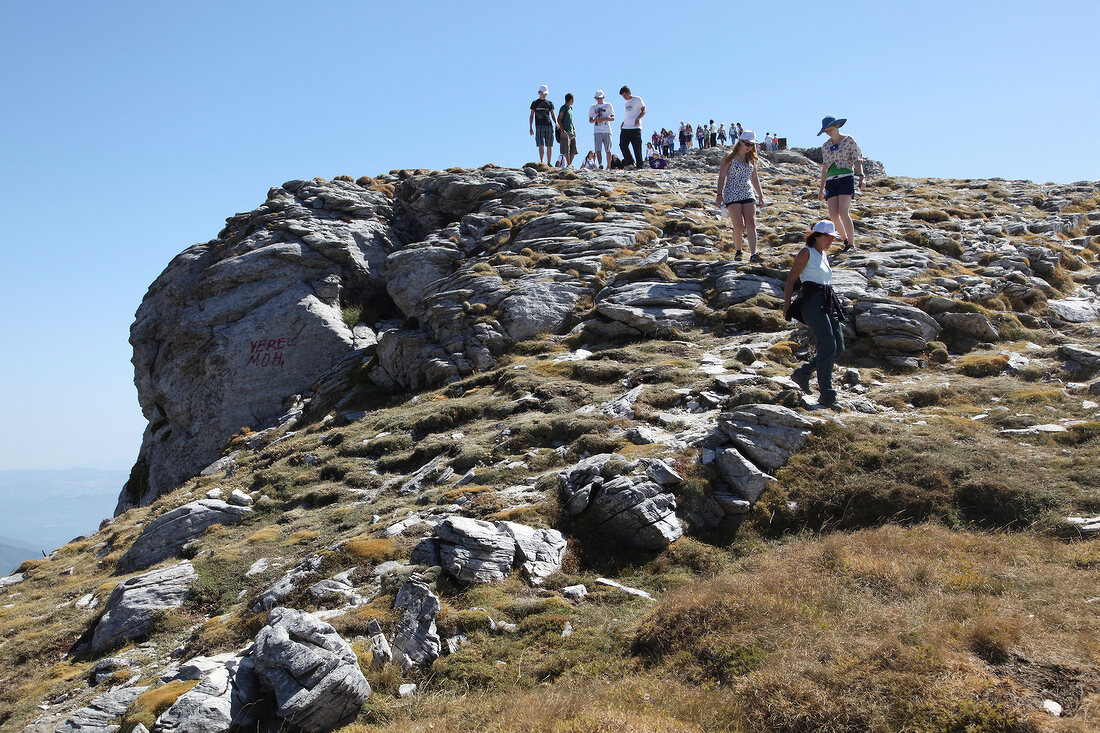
[(820, 311)]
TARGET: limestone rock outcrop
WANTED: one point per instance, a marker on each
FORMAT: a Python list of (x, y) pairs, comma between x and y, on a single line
[(234, 326), (166, 535), (415, 641), (633, 509), (475, 551), (135, 602), (313, 673)]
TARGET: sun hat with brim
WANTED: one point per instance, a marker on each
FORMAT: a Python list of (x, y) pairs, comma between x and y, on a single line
[(830, 121), (747, 136), (599, 94), (825, 227)]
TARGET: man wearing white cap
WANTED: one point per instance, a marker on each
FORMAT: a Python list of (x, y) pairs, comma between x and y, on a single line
[(542, 123), (602, 114)]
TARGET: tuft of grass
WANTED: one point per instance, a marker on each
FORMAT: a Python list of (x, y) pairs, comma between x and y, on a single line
[(978, 365)]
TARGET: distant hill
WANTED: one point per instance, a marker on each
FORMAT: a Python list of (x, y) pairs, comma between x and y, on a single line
[(44, 509), (12, 555)]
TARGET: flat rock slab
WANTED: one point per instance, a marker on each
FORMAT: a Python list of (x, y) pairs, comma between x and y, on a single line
[(99, 715), (134, 603), (166, 535)]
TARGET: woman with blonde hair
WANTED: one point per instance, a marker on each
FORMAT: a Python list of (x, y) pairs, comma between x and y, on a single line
[(736, 180), (842, 163)]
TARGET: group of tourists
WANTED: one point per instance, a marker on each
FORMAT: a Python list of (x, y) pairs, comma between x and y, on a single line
[(739, 192), (549, 128)]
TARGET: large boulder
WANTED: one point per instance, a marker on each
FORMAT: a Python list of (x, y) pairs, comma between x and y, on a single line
[(767, 434), (894, 327), (234, 326), (415, 641), (313, 673), (134, 604), (632, 509), (166, 535), (475, 551), (226, 696)]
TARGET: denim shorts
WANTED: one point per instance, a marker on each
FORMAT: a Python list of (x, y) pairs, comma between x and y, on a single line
[(843, 186)]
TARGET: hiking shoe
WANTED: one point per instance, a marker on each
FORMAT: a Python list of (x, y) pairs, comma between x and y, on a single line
[(802, 380), (756, 258), (737, 257), (847, 246)]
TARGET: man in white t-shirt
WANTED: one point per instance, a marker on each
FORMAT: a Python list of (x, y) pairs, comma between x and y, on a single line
[(630, 133), (601, 114)]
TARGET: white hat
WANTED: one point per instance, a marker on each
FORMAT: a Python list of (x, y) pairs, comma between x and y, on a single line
[(825, 227), (598, 94), (544, 89), (748, 136)]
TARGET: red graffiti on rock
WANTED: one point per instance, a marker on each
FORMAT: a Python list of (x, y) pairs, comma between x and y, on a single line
[(269, 352)]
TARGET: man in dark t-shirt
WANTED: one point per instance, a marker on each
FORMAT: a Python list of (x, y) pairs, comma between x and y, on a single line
[(567, 133), (542, 123)]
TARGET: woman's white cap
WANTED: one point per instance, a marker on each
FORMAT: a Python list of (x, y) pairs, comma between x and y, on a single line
[(748, 136), (825, 227), (544, 89)]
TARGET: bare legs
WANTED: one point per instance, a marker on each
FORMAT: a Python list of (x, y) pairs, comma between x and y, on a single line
[(842, 220), (743, 218)]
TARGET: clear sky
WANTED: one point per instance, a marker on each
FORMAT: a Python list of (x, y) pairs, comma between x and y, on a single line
[(130, 130)]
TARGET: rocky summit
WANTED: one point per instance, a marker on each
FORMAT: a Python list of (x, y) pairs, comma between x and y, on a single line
[(521, 447)]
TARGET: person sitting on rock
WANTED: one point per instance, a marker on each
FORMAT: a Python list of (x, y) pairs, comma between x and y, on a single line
[(819, 309), (736, 180), (842, 161), (589, 163)]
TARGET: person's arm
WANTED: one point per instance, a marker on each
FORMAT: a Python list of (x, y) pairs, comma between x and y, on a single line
[(796, 269), (858, 168), (531, 121), (558, 117), (638, 119), (722, 172), (756, 185), (821, 190)]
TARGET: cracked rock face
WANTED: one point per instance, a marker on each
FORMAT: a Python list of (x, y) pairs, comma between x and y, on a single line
[(633, 509), (313, 673), (134, 603), (234, 326), (475, 551), (415, 641)]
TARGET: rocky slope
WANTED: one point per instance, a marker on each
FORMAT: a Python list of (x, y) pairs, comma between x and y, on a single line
[(440, 446)]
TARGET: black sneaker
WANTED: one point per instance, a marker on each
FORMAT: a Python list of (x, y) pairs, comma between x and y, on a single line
[(756, 258), (802, 380), (737, 257)]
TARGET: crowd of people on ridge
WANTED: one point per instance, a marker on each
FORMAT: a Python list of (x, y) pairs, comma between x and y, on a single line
[(549, 128), (739, 192)]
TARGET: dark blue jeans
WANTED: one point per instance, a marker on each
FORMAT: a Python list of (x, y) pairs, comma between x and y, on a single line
[(830, 344)]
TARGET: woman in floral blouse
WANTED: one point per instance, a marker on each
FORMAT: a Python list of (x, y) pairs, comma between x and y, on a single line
[(842, 164)]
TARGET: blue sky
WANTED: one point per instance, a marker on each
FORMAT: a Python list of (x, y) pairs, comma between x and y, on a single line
[(131, 130)]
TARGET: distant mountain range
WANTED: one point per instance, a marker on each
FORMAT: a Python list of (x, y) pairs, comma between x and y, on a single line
[(44, 509)]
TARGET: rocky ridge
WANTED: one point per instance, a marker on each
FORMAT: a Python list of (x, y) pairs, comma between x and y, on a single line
[(494, 377)]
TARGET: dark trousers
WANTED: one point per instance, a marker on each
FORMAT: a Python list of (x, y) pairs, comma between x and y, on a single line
[(628, 138), (829, 336)]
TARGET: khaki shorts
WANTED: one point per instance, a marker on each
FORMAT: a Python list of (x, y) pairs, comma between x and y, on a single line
[(568, 144)]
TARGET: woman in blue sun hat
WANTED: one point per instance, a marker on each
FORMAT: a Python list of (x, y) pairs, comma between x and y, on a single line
[(842, 164)]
